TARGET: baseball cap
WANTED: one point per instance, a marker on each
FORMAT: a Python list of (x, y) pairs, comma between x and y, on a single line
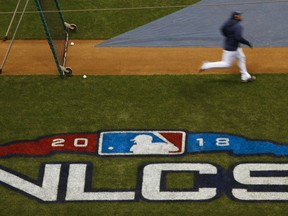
[(236, 13)]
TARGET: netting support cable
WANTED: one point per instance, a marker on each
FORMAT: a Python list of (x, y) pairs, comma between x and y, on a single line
[(11, 21), (13, 38)]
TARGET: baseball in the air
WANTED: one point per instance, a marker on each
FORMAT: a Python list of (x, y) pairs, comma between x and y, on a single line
[(72, 43), (84, 76)]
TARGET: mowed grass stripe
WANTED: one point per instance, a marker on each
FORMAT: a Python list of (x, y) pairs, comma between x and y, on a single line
[(40, 105)]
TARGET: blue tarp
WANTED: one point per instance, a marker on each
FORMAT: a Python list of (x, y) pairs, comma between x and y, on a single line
[(264, 23)]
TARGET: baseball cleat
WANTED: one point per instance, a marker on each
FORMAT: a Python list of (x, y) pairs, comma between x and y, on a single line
[(249, 80), (200, 68)]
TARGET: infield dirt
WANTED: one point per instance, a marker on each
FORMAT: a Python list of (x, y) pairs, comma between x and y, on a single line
[(35, 57)]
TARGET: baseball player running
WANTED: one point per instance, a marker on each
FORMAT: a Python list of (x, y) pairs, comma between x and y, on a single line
[(232, 31)]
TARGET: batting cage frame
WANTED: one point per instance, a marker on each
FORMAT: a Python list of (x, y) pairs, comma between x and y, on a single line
[(15, 32), (45, 12)]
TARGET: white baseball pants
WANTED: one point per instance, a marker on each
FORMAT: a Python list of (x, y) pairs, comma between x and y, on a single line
[(228, 58)]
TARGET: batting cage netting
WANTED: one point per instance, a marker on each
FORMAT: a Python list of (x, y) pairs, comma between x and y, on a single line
[(56, 30)]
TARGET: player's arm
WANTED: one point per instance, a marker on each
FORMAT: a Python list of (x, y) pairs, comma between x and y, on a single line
[(223, 30), (240, 39)]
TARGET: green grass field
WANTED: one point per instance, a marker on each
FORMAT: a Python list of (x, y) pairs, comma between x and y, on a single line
[(36, 106), (219, 103), (106, 22)]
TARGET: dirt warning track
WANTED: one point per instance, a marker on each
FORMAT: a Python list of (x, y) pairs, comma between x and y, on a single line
[(34, 57)]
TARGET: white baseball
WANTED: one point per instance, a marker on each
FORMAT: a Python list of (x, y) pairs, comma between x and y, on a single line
[(84, 76), (72, 43)]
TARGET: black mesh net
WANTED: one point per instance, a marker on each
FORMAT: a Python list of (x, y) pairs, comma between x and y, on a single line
[(53, 22)]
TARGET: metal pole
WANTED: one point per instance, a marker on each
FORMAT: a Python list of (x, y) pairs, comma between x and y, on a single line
[(13, 38), (6, 35)]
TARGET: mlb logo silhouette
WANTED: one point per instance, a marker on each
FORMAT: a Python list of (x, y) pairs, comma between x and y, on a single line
[(142, 143)]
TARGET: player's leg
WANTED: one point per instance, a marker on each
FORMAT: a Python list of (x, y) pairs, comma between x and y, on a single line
[(227, 60), (245, 76)]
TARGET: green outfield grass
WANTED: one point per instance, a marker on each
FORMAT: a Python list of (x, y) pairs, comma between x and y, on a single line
[(102, 24), (33, 106), (37, 105)]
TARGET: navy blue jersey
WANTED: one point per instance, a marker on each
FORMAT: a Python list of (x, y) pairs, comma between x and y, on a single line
[(232, 31)]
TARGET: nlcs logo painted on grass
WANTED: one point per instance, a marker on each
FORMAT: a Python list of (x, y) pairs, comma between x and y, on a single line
[(133, 143), (66, 182), (142, 143)]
